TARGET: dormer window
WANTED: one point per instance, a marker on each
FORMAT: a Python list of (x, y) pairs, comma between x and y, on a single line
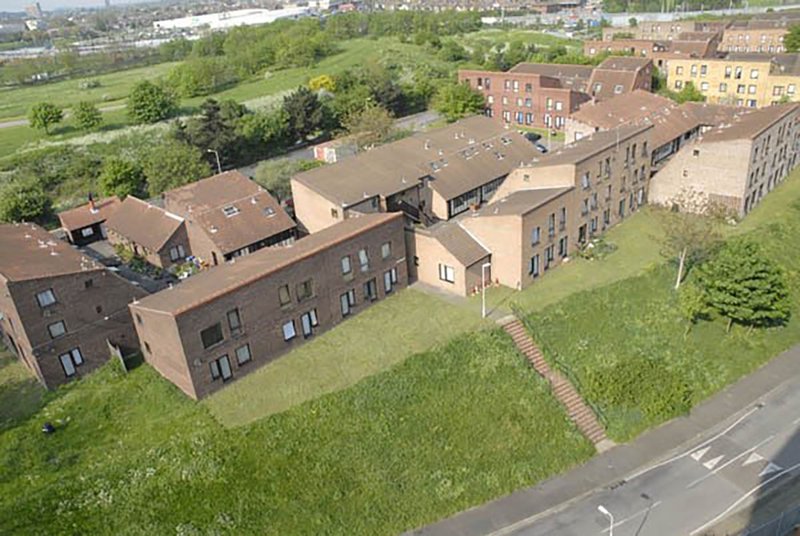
[(269, 211), (230, 211)]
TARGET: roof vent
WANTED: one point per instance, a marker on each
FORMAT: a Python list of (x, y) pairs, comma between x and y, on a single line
[(213, 229), (253, 200), (269, 211)]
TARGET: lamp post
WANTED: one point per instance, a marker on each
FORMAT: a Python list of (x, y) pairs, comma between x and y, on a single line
[(484, 266), (219, 166), (603, 510)]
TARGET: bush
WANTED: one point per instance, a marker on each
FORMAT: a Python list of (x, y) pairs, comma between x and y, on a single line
[(149, 103), (87, 116), (43, 115), (201, 76), (88, 84), (23, 200)]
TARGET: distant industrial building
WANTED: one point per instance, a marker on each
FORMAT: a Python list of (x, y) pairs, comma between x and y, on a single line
[(229, 19)]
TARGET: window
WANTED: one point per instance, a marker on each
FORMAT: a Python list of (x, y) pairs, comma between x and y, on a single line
[(389, 279), (363, 259), (211, 335), (243, 354), (334, 213), (536, 235), (753, 74), (693, 70), (740, 88), (751, 89), (559, 106), (723, 87), (790, 89), (46, 298), (234, 322), (549, 103), (585, 206), (678, 84), (703, 86), (585, 181), (562, 221), (621, 208), (176, 252), (346, 267), (551, 225), (288, 331), (283, 295), (679, 70), (618, 89), (57, 329), (738, 73), (230, 211), (562, 247), (87, 232), (534, 268), (703, 70), (70, 361), (777, 91), (548, 256), (89, 283), (371, 290), (447, 273), (308, 321), (728, 71), (221, 368), (305, 290), (347, 301), (386, 250)]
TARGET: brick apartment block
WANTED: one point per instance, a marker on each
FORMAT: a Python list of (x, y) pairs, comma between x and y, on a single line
[(735, 164), (685, 45), (59, 308), (227, 321), (544, 95)]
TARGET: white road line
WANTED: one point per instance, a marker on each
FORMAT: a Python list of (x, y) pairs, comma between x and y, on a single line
[(742, 498), (726, 464), (630, 518), (701, 445)]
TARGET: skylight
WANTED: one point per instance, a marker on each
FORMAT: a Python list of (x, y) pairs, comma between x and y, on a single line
[(230, 210)]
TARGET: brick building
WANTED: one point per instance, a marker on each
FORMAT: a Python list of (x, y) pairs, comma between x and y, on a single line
[(764, 36), (223, 323), (58, 308), (695, 45), (229, 215), (734, 165), (544, 95), (86, 223)]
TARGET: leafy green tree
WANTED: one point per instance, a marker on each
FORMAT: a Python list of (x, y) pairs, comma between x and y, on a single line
[(43, 115), (275, 175), (452, 51), (215, 130), (149, 103), (689, 93), (455, 101), (632, 22), (173, 163), (87, 116), (201, 76), (792, 39), (687, 237), (122, 178), (693, 304), (304, 112), (744, 285), (373, 124), (264, 133), (23, 200)]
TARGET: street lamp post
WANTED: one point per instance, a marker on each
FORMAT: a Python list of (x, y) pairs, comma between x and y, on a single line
[(484, 266), (219, 166), (603, 510)]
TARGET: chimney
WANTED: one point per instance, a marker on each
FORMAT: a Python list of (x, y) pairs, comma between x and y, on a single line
[(92, 206)]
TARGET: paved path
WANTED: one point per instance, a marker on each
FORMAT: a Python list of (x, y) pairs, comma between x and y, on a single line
[(680, 478)]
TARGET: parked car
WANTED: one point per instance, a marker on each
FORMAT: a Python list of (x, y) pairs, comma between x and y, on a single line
[(540, 147), (532, 137)]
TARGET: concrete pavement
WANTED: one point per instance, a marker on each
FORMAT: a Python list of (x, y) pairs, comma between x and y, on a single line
[(680, 478)]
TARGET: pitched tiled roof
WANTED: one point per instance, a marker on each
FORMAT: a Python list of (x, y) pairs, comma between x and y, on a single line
[(615, 75), (83, 216), (750, 125), (143, 223), (220, 280), (589, 146), (571, 76), (30, 252), (233, 210), (457, 158), (459, 242), (633, 106), (521, 202)]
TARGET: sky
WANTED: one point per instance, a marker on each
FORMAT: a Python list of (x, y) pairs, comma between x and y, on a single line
[(19, 5)]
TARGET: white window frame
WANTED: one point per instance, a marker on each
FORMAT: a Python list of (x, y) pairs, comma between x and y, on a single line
[(386, 250), (346, 265), (47, 296), (86, 232), (447, 273), (308, 321), (289, 331), (347, 301), (363, 259), (247, 352)]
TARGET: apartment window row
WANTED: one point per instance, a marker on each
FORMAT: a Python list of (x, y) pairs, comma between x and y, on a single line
[(308, 321)]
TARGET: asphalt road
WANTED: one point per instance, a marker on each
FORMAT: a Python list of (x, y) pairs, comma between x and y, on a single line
[(688, 493)]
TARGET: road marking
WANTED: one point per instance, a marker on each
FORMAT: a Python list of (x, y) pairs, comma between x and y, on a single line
[(700, 453), (742, 498), (726, 464), (710, 464), (632, 517), (693, 449), (754, 457), (770, 468)]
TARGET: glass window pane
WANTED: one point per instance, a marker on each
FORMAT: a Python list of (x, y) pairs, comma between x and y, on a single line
[(66, 362), (225, 367), (77, 357), (288, 330)]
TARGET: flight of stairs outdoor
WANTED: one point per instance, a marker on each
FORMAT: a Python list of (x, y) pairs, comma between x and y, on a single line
[(580, 412)]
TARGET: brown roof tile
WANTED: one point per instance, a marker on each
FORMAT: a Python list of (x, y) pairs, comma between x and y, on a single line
[(633, 106), (82, 216), (30, 252), (589, 146), (521, 202), (458, 241), (143, 223), (255, 214), (220, 280), (748, 126)]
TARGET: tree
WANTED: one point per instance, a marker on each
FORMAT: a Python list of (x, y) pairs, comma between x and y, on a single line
[(275, 175), (264, 133), (452, 51), (215, 130), (689, 93), (745, 286), (43, 115), (322, 81), (304, 112), (455, 101), (201, 76), (693, 304), (23, 200), (688, 238), (121, 178), (87, 116), (173, 163), (632, 22), (149, 103), (371, 125), (792, 39)]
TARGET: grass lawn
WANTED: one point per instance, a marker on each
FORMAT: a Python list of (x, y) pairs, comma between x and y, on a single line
[(502, 36), (625, 342), (333, 361), (440, 432), (20, 394)]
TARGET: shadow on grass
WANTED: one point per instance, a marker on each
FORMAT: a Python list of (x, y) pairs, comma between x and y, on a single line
[(21, 396)]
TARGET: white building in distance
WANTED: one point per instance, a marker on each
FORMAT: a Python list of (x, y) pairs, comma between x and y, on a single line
[(229, 19)]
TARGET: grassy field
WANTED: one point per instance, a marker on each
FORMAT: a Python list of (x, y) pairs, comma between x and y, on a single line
[(626, 343), (332, 361), (502, 36), (254, 92), (440, 432)]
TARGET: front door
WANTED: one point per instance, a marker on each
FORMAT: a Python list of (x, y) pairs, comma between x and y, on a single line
[(582, 233)]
